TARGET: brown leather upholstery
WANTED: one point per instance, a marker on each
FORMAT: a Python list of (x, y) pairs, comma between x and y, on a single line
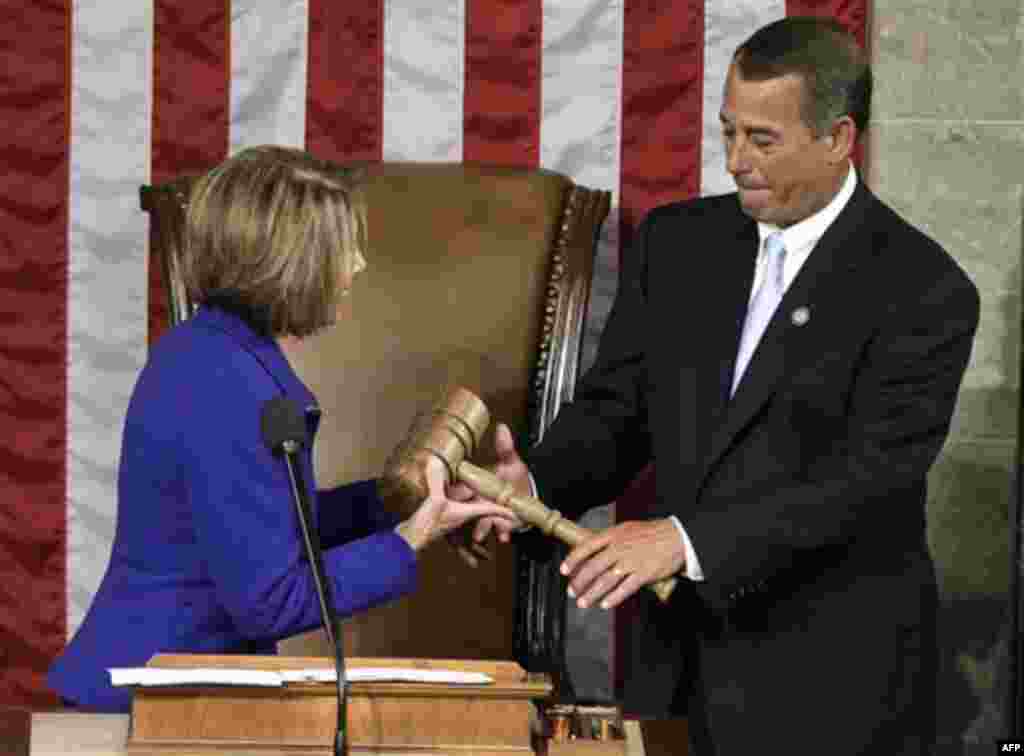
[(477, 273)]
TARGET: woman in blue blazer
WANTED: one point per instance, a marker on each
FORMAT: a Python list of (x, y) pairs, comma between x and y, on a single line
[(207, 555)]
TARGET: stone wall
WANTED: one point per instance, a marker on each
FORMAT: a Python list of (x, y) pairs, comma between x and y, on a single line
[(945, 150)]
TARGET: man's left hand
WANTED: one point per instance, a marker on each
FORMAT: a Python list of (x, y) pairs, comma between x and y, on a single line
[(612, 565)]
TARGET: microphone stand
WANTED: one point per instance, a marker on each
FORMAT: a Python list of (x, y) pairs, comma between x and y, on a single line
[(331, 624)]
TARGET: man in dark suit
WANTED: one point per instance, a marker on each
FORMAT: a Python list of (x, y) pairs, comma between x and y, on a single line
[(789, 356)]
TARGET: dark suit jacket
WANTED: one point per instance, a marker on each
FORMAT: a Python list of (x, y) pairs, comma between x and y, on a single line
[(804, 496), (208, 557)]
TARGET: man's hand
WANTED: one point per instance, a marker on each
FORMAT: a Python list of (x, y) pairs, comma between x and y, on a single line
[(612, 565), (469, 541)]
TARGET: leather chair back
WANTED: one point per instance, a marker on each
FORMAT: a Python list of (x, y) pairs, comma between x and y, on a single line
[(474, 273)]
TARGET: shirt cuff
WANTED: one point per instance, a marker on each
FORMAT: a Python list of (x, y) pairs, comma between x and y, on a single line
[(693, 570), (533, 484), (533, 492)]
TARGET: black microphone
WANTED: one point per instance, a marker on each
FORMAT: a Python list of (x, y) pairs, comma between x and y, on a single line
[(284, 432)]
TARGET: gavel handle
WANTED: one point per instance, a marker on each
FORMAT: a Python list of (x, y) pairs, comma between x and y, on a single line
[(533, 511)]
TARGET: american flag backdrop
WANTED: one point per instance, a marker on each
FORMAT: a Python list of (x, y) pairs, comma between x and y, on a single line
[(100, 96)]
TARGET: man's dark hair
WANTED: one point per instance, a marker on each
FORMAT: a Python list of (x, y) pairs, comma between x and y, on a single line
[(834, 69)]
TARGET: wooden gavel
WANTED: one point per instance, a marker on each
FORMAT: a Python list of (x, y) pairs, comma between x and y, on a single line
[(451, 432)]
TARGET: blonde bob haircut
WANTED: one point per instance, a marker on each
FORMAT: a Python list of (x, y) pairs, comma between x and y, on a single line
[(274, 234)]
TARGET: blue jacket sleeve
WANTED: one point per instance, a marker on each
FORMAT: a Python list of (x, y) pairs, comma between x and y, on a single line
[(248, 529), (351, 511)]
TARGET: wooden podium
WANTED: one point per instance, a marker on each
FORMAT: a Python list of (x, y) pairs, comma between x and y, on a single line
[(492, 719)]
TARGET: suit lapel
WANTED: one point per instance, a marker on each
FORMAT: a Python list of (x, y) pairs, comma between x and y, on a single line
[(727, 273), (810, 318)]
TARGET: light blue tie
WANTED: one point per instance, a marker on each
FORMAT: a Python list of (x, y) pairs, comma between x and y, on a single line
[(763, 305)]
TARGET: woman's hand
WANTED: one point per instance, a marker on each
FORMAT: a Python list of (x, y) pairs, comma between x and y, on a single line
[(439, 515)]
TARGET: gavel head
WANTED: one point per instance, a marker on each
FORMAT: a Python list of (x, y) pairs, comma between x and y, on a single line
[(450, 430)]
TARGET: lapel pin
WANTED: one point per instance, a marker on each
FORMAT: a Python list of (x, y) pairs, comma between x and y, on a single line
[(801, 315)]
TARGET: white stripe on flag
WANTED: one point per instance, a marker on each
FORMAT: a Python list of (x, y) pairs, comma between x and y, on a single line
[(581, 124), (424, 79), (111, 113), (727, 24), (269, 54)]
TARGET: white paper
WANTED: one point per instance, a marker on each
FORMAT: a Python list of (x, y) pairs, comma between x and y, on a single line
[(194, 676), (389, 674), (149, 676)]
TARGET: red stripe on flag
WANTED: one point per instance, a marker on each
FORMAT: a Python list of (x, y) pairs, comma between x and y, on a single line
[(662, 100), (501, 104), (191, 75), (850, 13), (662, 104), (345, 91), (35, 108)]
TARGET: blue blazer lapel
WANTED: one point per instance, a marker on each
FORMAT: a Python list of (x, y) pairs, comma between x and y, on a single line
[(809, 318)]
